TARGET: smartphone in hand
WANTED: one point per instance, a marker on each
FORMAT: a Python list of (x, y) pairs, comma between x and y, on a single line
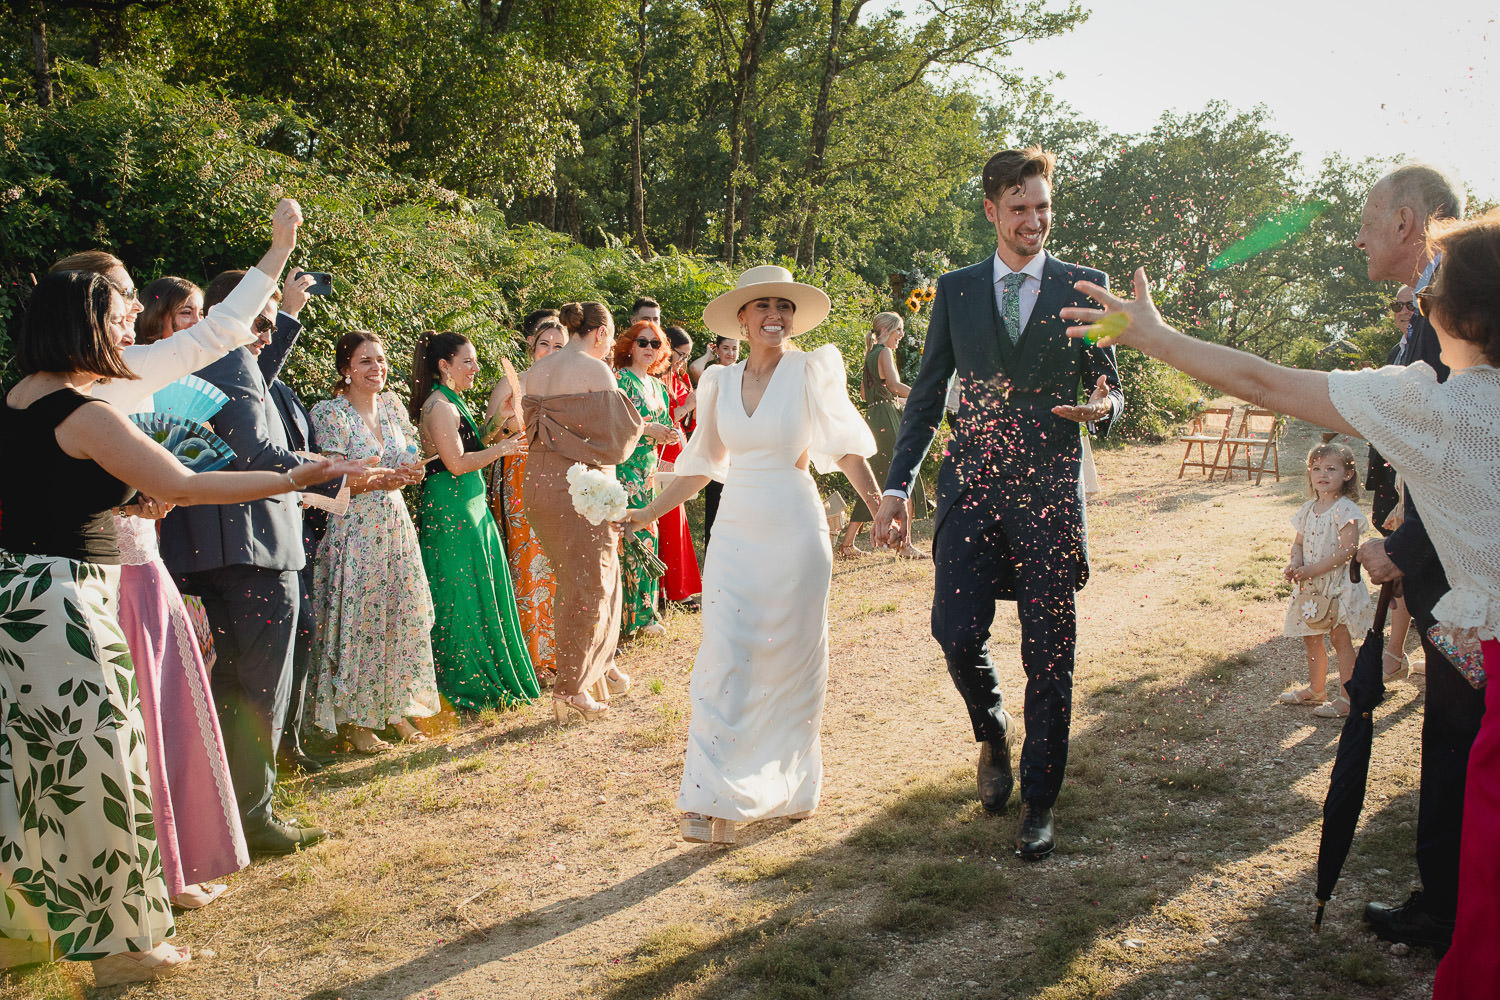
[(322, 282)]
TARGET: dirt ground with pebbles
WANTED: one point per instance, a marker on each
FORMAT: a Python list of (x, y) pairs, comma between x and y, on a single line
[(513, 858)]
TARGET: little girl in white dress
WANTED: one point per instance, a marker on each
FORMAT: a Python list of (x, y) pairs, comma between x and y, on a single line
[(1328, 532)]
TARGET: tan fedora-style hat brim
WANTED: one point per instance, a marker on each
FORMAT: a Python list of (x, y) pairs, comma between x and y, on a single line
[(722, 314)]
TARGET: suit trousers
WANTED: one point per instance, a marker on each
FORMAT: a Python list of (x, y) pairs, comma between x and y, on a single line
[(291, 735), (253, 612), (999, 550), (1451, 716), (711, 494)]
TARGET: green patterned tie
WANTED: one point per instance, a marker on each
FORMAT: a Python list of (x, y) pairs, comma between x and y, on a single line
[(1011, 298)]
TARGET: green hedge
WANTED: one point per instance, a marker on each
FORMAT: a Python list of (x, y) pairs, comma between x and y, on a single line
[(181, 181)]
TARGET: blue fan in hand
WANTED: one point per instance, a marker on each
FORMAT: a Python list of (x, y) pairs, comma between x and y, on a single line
[(190, 398), (194, 445)]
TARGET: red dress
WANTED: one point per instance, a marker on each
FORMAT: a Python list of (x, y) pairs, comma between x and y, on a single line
[(1471, 969), (682, 579)]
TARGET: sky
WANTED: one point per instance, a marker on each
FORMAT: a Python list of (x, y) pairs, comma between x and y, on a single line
[(1417, 80)]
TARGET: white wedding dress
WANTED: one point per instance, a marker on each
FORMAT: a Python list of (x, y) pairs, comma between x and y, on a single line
[(762, 669)]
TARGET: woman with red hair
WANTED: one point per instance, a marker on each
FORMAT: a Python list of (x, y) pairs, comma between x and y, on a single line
[(642, 353)]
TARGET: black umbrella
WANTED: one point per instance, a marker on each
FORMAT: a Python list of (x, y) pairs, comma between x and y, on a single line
[(1351, 768)]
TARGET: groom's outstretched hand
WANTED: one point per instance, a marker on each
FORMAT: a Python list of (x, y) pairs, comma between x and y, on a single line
[(890, 528), (1097, 408)]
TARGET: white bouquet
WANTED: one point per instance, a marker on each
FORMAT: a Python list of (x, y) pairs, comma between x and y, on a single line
[(598, 497)]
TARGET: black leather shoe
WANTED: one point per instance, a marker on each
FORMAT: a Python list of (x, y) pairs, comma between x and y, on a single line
[(995, 777), (1035, 839), (1410, 923), (282, 838), (295, 759)]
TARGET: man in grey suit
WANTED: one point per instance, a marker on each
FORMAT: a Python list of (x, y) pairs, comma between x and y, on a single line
[(243, 560)]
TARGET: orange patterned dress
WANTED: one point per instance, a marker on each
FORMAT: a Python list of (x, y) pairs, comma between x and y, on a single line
[(530, 570)]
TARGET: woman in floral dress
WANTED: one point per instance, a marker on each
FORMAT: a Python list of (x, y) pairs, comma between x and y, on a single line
[(530, 569), (642, 353), (373, 649)]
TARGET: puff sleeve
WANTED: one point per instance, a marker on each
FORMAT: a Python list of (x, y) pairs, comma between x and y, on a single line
[(838, 429), (705, 454), (331, 428), (1349, 513), (1299, 519), (226, 327)]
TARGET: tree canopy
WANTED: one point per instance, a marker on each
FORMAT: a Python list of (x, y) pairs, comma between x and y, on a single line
[(467, 160)]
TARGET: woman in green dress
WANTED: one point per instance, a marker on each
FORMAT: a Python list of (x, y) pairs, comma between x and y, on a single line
[(642, 353), (883, 389), (477, 642)]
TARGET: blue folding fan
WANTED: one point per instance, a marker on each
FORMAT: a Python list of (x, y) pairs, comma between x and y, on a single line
[(190, 398), (194, 445)]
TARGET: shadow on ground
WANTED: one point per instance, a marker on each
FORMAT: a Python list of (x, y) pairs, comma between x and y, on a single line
[(1159, 838)]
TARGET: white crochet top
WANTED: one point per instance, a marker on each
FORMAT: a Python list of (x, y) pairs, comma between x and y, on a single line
[(1444, 440)]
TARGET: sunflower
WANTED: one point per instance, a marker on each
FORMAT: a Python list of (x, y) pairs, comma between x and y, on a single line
[(913, 304), (929, 293)]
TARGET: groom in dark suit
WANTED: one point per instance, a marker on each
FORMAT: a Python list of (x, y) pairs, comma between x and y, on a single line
[(1009, 522)]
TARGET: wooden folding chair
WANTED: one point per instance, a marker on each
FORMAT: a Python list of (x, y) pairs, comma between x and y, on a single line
[(1259, 435), (1211, 427)]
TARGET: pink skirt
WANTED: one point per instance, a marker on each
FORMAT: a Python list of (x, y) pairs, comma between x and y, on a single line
[(192, 798), (1471, 969)]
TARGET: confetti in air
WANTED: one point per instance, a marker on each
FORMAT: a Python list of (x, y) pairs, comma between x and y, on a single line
[(1278, 229)]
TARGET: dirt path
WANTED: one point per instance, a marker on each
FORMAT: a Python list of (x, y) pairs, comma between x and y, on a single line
[(516, 859)]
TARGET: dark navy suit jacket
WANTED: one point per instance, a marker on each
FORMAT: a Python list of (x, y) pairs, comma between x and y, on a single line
[(264, 533), (1007, 445)]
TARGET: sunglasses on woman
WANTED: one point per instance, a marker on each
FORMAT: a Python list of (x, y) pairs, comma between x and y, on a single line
[(655, 345), (1422, 303)]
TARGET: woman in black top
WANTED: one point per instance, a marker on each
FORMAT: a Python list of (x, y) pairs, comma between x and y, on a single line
[(78, 852)]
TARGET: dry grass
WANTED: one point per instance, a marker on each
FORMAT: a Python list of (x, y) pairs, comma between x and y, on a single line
[(512, 858)]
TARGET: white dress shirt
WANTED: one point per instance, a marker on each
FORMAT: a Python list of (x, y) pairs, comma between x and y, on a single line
[(1031, 285), (1031, 290)]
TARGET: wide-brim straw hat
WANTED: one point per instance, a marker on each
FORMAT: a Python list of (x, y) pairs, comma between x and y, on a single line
[(766, 282)]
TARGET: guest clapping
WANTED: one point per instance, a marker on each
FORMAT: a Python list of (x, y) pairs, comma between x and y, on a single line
[(477, 641), (640, 354), (530, 569), (373, 649)]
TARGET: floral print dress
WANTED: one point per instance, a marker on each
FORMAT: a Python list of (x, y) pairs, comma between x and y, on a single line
[(372, 652), (638, 475), (1320, 539)]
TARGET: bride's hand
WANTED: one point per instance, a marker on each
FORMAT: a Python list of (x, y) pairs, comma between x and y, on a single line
[(1132, 322), (634, 520)]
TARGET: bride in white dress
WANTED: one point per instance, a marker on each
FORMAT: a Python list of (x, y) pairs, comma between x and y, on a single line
[(762, 669)]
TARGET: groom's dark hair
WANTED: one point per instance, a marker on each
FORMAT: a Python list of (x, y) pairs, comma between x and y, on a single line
[(1010, 168)]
